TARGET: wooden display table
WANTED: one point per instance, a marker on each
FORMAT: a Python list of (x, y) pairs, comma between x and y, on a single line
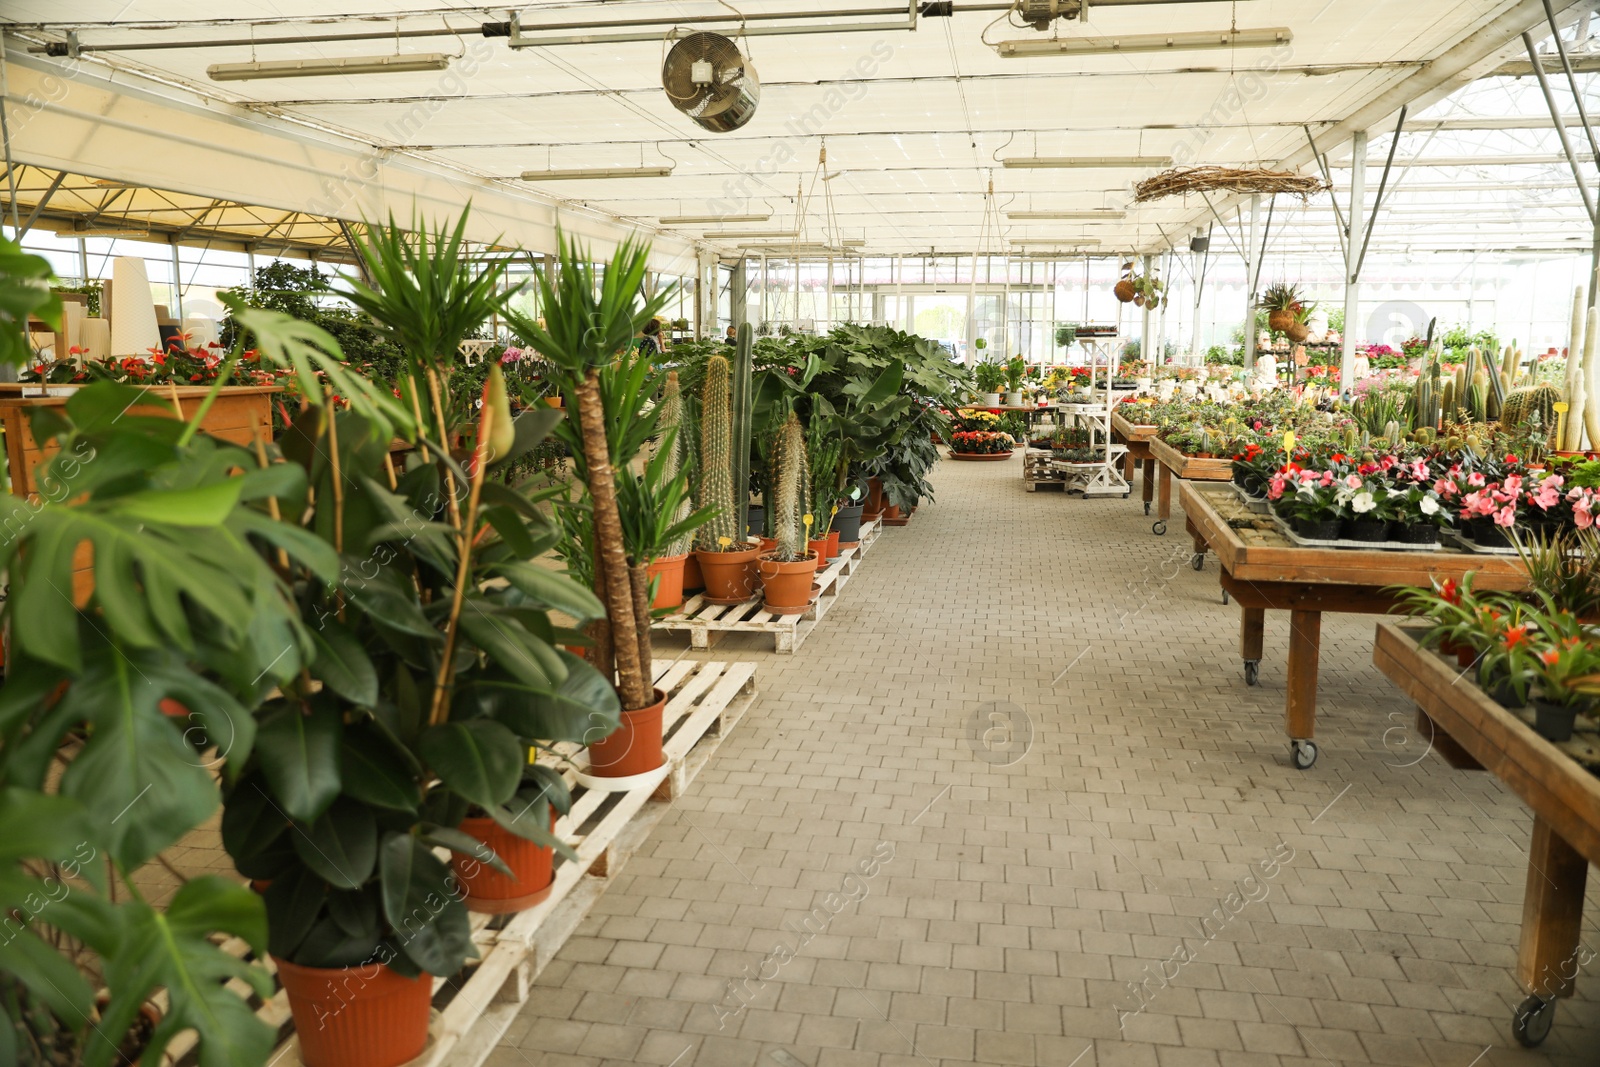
[(1264, 571), (1137, 436), (1188, 468), (1471, 731)]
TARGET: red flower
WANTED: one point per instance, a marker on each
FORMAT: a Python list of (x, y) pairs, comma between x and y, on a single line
[(1515, 635), (1450, 593), (1549, 658)]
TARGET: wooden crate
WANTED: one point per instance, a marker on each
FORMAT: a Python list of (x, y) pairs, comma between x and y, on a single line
[(704, 621), (1037, 474), (473, 1009)]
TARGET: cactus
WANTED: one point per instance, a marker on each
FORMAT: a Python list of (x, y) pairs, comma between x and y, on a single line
[(1351, 439), (672, 440), (1424, 436), (1510, 364), (1528, 402), (790, 489), (1448, 401), (1478, 396), (1391, 433), (822, 458), (716, 459)]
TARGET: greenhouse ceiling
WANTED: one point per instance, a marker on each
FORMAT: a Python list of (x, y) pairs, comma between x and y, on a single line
[(919, 113)]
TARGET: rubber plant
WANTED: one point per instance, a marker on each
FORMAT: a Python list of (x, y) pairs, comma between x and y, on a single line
[(586, 335)]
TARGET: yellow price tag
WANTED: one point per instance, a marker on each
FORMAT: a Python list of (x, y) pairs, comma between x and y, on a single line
[(1288, 441), (807, 519), (1561, 407), (724, 541)]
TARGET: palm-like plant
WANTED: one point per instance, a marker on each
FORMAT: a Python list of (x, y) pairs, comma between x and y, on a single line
[(587, 335)]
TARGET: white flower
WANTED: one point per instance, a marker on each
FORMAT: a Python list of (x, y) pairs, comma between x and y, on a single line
[(1429, 506), (1362, 503)]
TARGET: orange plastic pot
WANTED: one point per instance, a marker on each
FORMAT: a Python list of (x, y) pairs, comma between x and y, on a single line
[(730, 577), (669, 592), (366, 1016), (492, 893), (634, 747), (787, 586), (820, 547), (833, 543), (874, 506), (692, 581)]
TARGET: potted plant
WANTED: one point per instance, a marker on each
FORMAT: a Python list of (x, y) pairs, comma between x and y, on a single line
[(1419, 515), (1567, 683), (1282, 303), (990, 377), (1368, 508), (787, 571), (980, 445), (589, 326), (823, 451), (1016, 368), (727, 564), (1309, 502), (655, 510)]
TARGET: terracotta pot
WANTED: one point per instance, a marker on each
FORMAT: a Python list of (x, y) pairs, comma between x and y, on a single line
[(172, 709), (357, 1016), (635, 746), (874, 497), (1124, 291), (787, 586), (553, 401), (894, 516), (833, 543), (730, 577), (1280, 320), (492, 893), (820, 547), (692, 581), (1466, 656), (767, 544), (669, 591)]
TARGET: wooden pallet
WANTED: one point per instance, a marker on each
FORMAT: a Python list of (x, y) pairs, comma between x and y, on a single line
[(704, 621), (473, 1009), (1036, 471)]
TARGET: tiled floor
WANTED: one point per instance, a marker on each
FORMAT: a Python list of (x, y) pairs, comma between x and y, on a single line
[(1013, 804)]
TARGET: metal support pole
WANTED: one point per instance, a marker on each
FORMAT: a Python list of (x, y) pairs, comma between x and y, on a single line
[(176, 311), (1352, 262), (738, 295), (83, 264), (1250, 255), (1144, 323), (1566, 143)]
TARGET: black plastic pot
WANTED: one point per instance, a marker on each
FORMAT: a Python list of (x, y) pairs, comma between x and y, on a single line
[(1505, 694), (1363, 529), (1553, 721), (848, 523), (1423, 533), (757, 522), (1325, 530), (1484, 532)]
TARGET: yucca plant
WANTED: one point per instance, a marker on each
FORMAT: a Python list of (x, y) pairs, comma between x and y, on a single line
[(587, 335)]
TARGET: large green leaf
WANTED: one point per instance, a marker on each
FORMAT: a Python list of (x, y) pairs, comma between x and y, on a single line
[(481, 760), (422, 904), (173, 950), (583, 708), (299, 753), (552, 589), (40, 827), (342, 664), (24, 290), (511, 647), (374, 773), (341, 845), (203, 505)]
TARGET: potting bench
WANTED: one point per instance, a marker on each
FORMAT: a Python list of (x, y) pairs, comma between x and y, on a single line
[(1264, 571), (1137, 437), (1170, 462), (705, 622), (473, 1009), (1472, 732)]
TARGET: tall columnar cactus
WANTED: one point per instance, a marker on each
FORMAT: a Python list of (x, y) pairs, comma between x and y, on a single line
[(671, 439), (1449, 400), (1510, 366), (791, 486), (716, 460)]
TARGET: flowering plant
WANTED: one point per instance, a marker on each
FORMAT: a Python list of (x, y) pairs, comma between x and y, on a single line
[(981, 443)]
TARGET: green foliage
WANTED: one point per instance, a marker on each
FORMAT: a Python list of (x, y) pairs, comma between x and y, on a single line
[(716, 459), (990, 376), (24, 291), (304, 293)]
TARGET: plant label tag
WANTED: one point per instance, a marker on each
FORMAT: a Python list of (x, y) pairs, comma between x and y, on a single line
[(808, 520), (1288, 441), (724, 541)]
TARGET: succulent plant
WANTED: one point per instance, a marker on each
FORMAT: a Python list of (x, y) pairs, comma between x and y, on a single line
[(790, 489), (1529, 402), (716, 459)]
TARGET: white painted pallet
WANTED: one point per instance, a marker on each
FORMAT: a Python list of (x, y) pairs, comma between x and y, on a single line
[(704, 621), (474, 1008)]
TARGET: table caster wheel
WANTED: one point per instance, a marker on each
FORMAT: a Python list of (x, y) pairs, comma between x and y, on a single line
[(1160, 528), (1198, 561), (1125, 496), (1147, 507), (1224, 598), (1530, 1023), (1303, 754), (1252, 672)]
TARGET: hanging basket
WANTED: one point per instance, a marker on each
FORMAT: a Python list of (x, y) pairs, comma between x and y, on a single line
[(1181, 181)]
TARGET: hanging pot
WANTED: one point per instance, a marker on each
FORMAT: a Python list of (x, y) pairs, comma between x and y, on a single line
[(634, 747), (787, 586), (1279, 320), (669, 591), (1125, 291), (367, 1016), (488, 891), (1297, 332), (730, 577)]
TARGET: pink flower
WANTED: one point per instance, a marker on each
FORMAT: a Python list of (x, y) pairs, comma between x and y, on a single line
[(1581, 513), (1506, 516), (1547, 497), (1446, 487), (1387, 462), (1275, 487), (1327, 479), (1418, 471), (1513, 483), (1353, 481), (1475, 479)]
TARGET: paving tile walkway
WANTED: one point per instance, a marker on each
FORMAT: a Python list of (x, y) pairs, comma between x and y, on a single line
[(1013, 804)]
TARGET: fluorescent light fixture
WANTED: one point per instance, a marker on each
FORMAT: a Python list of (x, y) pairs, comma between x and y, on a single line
[(1064, 216), (728, 235), (687, 220), (86, 228), (808, 247), (1143, 42), (1086, 162), (1054, 241), (312, 68), (595, 172)]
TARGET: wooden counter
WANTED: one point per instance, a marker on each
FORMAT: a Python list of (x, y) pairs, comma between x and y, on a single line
[(1189, 468)]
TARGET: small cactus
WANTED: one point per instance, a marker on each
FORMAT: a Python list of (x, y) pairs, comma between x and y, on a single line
[(1351, 439), (1391, 433), (716, 459)]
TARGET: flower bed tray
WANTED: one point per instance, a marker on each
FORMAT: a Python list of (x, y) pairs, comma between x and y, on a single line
[(1375, 546), (705, 621), (1258, 504), (1467, 544), (473, 1009)]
